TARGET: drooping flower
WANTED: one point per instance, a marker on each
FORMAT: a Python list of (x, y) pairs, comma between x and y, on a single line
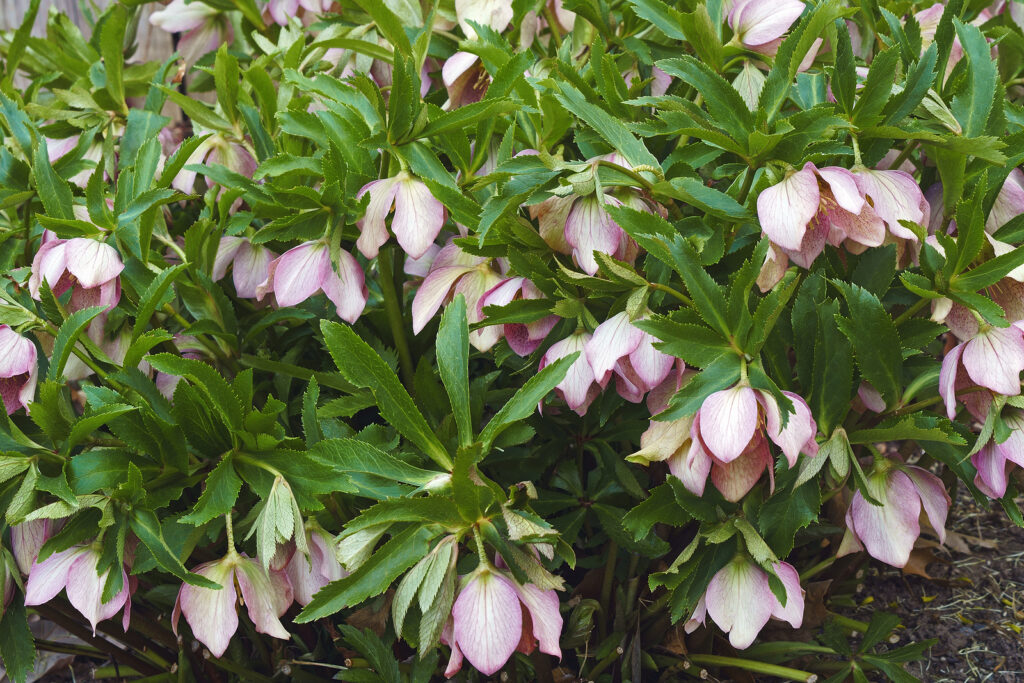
[(305, 270), (493, 615), (18, 370), (590, 228), (523, 338), (27, 539), (211, 613), (308, 575), (888, 531), (1009, 202), (620, 347), (417, 221), (740, 600), (88, 267), (893, 196), (456, 272), (759, 25), (217, 149), (203, 26), (993, 358), (991, 460), (465, 79), (495, 14), (580, 386), (249, 264), (75, 571)]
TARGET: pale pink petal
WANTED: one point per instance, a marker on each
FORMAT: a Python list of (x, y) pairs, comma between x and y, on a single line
[(432, 293), (734, 479), (92, 262), (282, 10), (373, 232), (894, 196), (300, 272), (226, 250), (282, 594), (1009, 202), (691, 466), (793, 611), (211, 613), (991, 465), (346, 287), (589, 228), (48, 578), (418, 217), (995, 358), (48, 265), (888, 531), (545, 617), (456, 65), (455, 659), (27, 539), (786, 208), (258, 594), (728, 419), (843, 187), (488, 621), (934, 498), (613, 339), (870, 397), (17, 354), (85, 589), (493, 13), (696, 619), (575, 386), (947, 379), (762, 21), (472, 287), (800, 428), (178, 16), (252, 264), (740, 601)]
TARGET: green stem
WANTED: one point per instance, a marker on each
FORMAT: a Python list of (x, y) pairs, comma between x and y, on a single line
[(748, 182), (606, 584), (671, 292), (229, 529), (324, 379), (911, 310), (553, 26), (904, 155), (605, 663), (847, 622), (393, 308), (756, 667), (818, 568)]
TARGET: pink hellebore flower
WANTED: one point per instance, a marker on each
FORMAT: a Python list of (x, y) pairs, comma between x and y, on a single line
[(760, 24), (302, 271), (993, 358), (211, 613), (494, 615), (88, 267), (215, 150), (308, 575), (204, 27), (75, 571), (523, 338), (250, 264), (465, 79), (620, 347), (27, 539), (455, 272), (740, 600), (58, 148), (589, 228), (991, 460), (888, 531), (417, 221), (580, 385), (1009, 202), (893, 196), (18, 370)]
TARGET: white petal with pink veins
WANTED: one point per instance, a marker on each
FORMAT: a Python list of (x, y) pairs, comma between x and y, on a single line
[(544, 616), (740, 601), (934, 498), (346, 287), (85, 589), (894, 196), (418, 217), (793, 611), (995, 358), (786, 208), (762, 21), (488, 621), (260, 596), (589, 228), (800, 428), (613, 339), (888, 531), (300, 272), (728, 419), (92, 262), (47, 578), (210, 613), (947, 379), (373, 232)]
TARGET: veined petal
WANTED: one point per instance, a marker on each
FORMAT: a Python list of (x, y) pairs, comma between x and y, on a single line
[(991, 465), (92, 262), (614, 338), (740, 601), (17, 354), (226, 250), (85, 589), (472, 287), (995, 358), (210, 613), (258, 594), (488, 621), (651, 365), (179, 16), (26, 540), (373, 233), (493, 13), (843, 187), (418, 217), (252, 263), (455, 660), (691, 465), (786, 208), (281, 10), (545, 619), (456, 65), (793, 611), (735, 478), (346, 287), (589, 228), (947, 379), (576, 384), (762, 21), (934, 498), (299, 273), (894, 196), (1009, 202), (48, 265), (48, 578), (800, 428), (432, 293), (888, 531), (728, 419), (662, 439)]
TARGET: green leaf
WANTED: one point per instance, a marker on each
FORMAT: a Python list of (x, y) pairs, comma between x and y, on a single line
[(788, 510), (973, 104), (875, 340), (54, 191), (915, 88), (373, 577), (96, 418), (310, 425), (68, 336), (524, 402), (17, 646), (152, 297), (360, 365), (452, 348), (696, 193), (877, 88), (225, 77), (660, 507), (352, 455), (708, 296), (916, 427), (990, 272), (112, 49), (607, 126), (220, 494), (668, 19), (844, 75), (146, 526), (466, 116), (726, 107), (719, 374), (220, 394), (388, 24)]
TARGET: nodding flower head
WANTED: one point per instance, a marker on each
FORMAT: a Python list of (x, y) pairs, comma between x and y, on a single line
[(18, 370)]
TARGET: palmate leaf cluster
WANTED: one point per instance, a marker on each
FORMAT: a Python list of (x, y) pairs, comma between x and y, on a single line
[(420, 454)]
